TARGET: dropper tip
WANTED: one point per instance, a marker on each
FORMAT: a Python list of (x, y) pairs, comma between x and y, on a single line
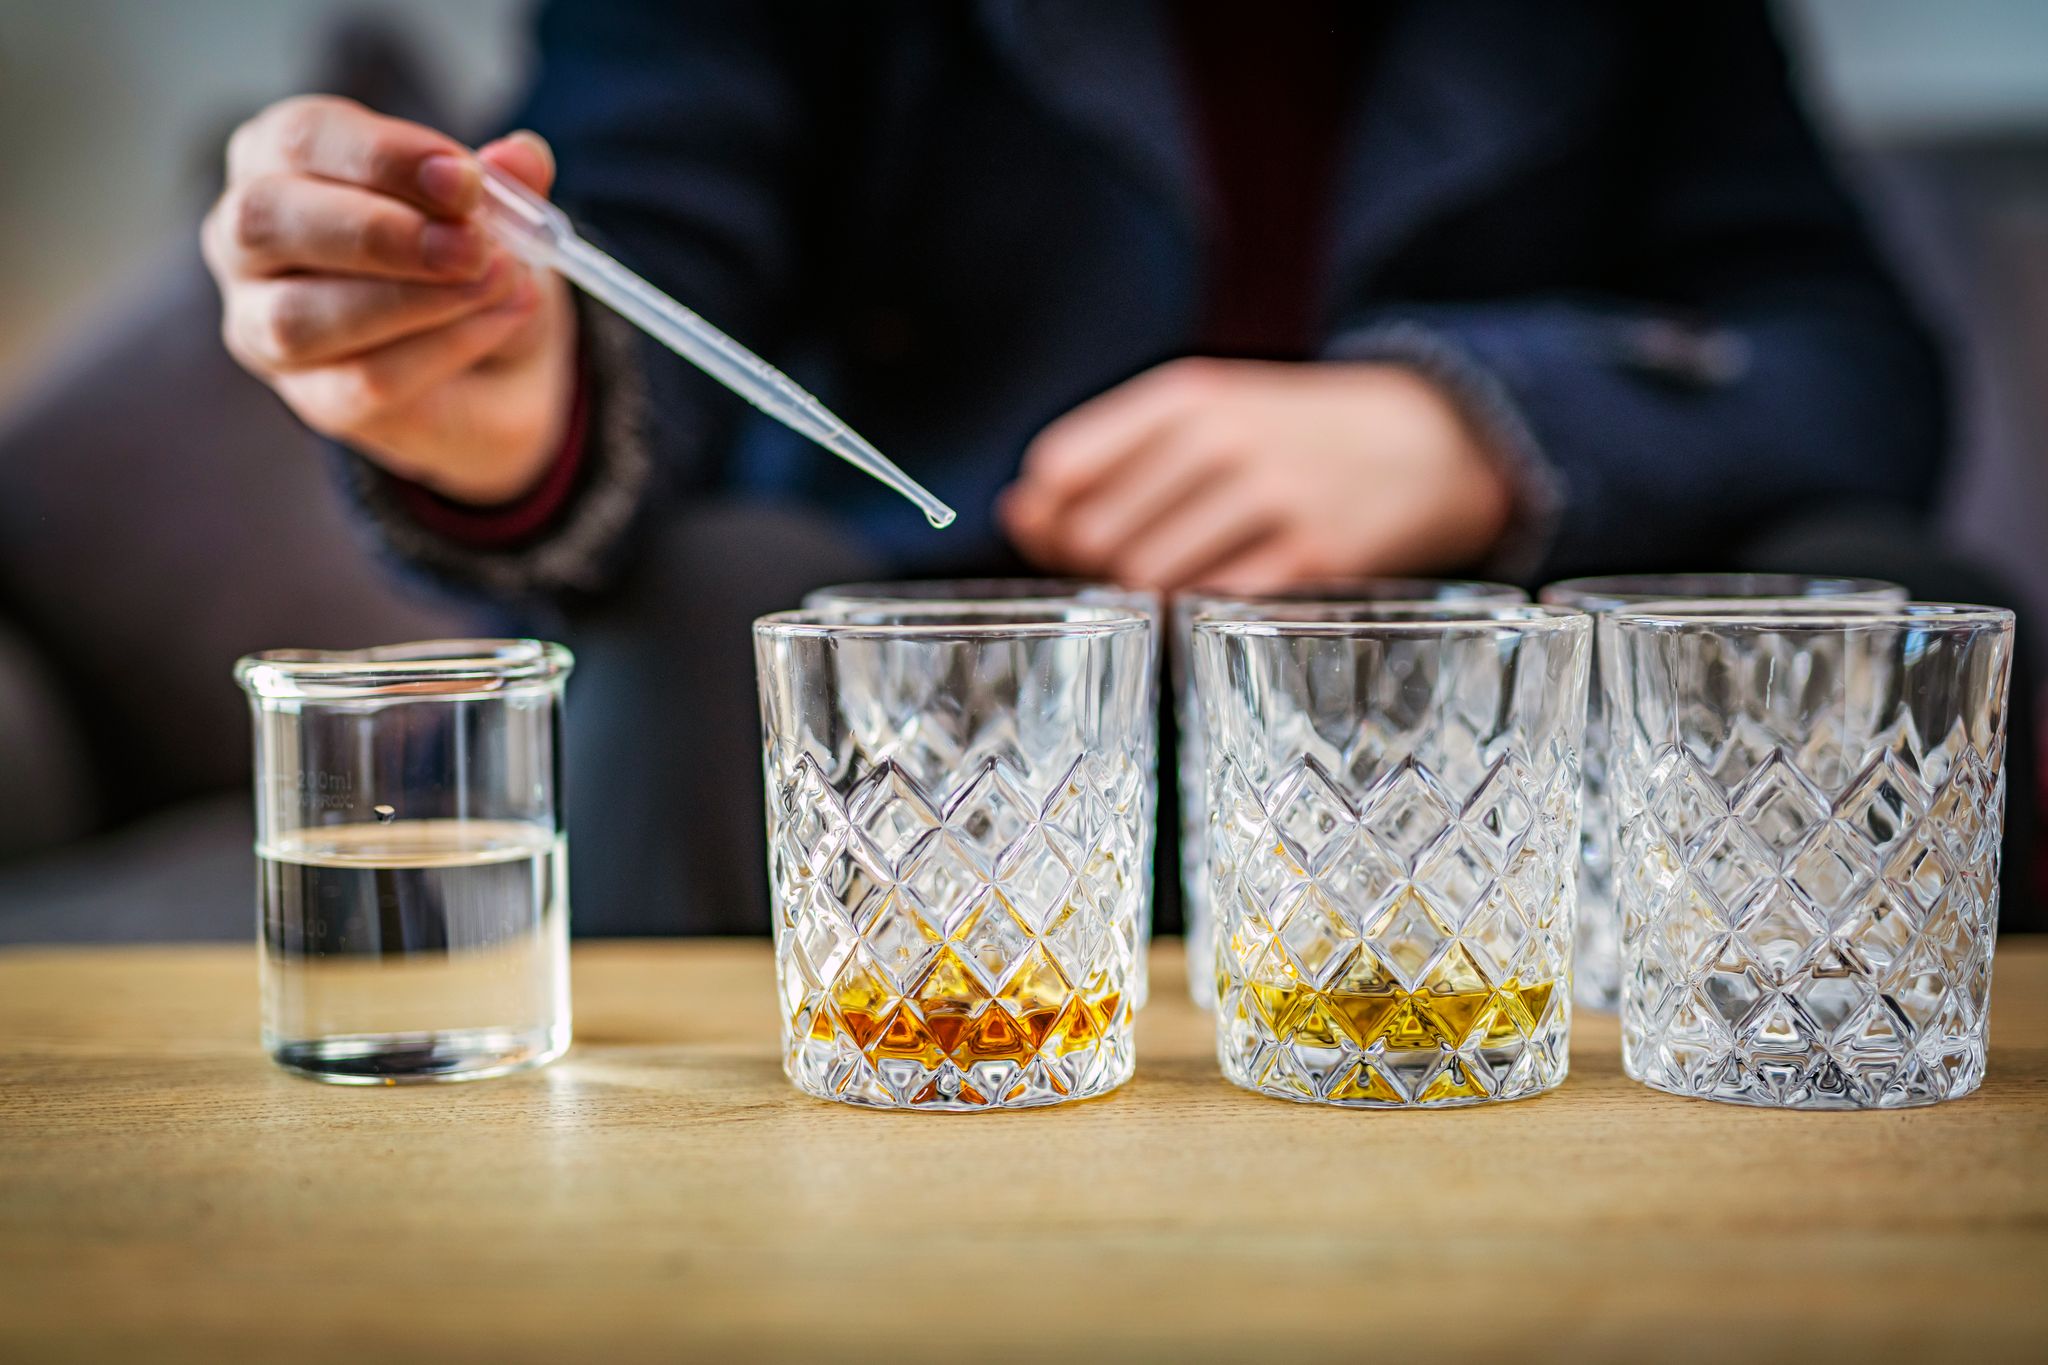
[(939, 517)]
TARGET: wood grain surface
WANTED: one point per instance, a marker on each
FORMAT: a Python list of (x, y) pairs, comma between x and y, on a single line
[(662, 1193)]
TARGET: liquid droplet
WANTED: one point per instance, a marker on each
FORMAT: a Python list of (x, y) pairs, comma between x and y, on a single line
[(385, 814)]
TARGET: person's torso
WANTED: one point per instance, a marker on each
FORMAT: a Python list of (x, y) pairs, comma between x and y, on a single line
[(1016, 215)]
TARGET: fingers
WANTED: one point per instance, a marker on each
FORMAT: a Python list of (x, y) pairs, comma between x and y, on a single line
[(1266, 565), (525, 156), (277, 224), (1148, 486), (349, 399), (335, 139), (1218, 523), (356, 285), (1087, 445), (274, 326)]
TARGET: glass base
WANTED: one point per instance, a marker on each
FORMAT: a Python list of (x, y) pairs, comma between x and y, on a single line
[(1816, 1083), (415, 1058), (1401, 1080), (947, 1088), (1394, 1049)]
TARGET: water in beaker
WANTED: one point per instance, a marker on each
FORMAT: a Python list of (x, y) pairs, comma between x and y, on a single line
[(412, 873)]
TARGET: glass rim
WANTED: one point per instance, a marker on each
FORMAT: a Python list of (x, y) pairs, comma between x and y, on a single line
[(1365, 610), (437, 664), (1343, 592), (993, 619), (1806, 613), (888, 592), (1443, 618), (1610, 592)]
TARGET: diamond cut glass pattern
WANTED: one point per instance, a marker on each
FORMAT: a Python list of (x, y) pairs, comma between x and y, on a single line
[(1597, 971), (1392, 843), (1808, 800), (958, 813), (1348, 599), (854, 599)]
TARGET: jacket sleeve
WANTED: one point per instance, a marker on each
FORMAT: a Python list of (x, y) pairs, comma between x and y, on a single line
[(682, 133), (1753, 356)]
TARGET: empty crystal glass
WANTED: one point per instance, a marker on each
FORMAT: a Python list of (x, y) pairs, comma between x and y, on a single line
[(957, 841), (1809, 800), (1332, 600), (1596, 976), (1393, 841)]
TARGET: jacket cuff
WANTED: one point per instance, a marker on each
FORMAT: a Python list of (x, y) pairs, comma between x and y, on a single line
[(1537, 488), (521, 520), (584, 537)]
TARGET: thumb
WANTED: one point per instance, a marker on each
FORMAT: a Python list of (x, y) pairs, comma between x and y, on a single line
[(523, 155)]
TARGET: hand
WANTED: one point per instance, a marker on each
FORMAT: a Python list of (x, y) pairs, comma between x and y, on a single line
[(1250, 475), (352, 283)]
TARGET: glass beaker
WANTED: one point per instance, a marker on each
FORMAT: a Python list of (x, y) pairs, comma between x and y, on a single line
[(1393, 841), (412, 874), (956, 833), (1335, 599), (1596, 976), (1808, 798)]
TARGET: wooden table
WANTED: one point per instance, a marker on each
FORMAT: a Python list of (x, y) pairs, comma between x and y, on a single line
[(661, 1193)]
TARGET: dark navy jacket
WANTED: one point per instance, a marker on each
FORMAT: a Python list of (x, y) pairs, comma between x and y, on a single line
[(956, 221)]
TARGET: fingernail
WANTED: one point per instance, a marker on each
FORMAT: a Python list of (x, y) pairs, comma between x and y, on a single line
[(449, 182), (452, 248), (537, 144)]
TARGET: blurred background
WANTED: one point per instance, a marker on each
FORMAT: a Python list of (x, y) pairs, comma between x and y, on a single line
[(127, 438)]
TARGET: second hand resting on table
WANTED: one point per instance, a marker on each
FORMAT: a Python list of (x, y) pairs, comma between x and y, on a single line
[(1250, 475), (354, 286)]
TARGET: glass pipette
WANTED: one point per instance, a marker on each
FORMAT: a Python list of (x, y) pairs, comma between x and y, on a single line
[(540, 234)]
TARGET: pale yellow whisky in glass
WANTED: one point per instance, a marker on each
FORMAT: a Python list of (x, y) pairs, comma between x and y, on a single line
[(1365, 1038)]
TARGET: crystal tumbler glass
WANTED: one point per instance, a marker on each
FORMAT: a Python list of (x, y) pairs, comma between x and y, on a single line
[(1596, 976), (842, 597), (1393, 840), (956, 822), (412, 874), (1809, 802), (1330, 599)]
